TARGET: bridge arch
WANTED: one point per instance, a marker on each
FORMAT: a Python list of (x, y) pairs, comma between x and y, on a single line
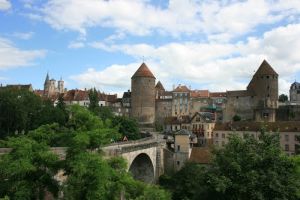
[(142, 168)]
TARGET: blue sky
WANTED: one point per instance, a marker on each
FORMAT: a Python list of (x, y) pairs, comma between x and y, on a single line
[(205, 44)]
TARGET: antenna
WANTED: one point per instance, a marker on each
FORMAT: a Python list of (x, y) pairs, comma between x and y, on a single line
[(143, 59)]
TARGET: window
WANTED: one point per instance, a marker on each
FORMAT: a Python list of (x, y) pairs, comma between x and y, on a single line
[(178, 147), (217, 135), (178, 162), (286, 147), (267, 77), (286, 137), (223, 135)]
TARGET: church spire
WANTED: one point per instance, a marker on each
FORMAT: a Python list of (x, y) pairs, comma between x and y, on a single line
[(47, 78)]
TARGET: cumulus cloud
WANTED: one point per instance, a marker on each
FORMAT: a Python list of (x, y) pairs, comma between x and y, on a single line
[(5, 5), (12, 57), (223, 20), (210, 65)]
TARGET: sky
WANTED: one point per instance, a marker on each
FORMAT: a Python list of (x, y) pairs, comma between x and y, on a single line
[(204, 44)]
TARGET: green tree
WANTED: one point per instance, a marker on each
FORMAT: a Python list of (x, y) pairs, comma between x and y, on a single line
[(184, 184), (127, 127), (105, 113), (250, 169), (19, 109), (283, 98), (236, 118), (27, 171), (94, 100)]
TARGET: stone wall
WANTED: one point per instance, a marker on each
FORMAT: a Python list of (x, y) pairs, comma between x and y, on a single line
[(143, 99)]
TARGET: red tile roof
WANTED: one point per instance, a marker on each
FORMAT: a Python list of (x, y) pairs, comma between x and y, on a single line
[(201, 155), (200, 93), (217, 94), (181, 88), (143, 71)]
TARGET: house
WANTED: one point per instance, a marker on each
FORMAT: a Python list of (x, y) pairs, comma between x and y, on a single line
[(288, 133)]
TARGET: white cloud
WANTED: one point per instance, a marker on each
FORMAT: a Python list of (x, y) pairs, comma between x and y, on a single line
[(223, 19), (12, 57), (76, 45), (214, 65), (23, 36), (5, 5)]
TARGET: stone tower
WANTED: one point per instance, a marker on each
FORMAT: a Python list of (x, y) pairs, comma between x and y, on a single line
[(295, 92), (143, 95), (60, 86), (264, 85)]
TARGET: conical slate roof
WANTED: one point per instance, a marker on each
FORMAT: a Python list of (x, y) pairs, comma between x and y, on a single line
[(159, 86), (143, 71), (265, 69), (47, 78)]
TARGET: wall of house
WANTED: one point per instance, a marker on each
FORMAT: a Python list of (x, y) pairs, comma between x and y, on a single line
[(287, 139)]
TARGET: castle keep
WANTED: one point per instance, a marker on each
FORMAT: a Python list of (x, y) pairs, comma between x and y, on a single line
[(259, 101), (143, 95)]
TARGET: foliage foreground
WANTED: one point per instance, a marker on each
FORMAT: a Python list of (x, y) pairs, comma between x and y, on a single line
[(30, 170), (245, 169)]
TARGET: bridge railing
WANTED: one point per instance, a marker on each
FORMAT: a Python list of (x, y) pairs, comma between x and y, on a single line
[(131, 141)]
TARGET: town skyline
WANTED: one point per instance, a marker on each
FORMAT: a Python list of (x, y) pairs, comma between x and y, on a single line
[(198, 44)]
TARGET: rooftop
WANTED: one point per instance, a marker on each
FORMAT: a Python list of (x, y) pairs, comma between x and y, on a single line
[(143, 71), (265, 69), (281, 126)]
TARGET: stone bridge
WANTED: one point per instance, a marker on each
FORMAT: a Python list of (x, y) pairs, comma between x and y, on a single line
[(144, 156)]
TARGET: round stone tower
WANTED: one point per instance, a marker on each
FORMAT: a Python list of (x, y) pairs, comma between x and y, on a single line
[(264, 87), (143, 95)]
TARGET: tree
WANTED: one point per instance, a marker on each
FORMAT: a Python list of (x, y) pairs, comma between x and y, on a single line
[(251, 169), (127, 127), (27, 171), (19, 109), (236, 118), (105, 113), (94, 100), (283, 98), (184, 184), (245, 168)]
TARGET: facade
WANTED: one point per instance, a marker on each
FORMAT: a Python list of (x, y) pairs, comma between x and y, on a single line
[(288, 132), (143, 96), (183, 144), (181, 101), (295, 93), (163, 104), (259, 101)]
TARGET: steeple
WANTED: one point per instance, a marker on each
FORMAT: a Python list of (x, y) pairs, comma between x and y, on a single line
[(47, 78), (143, 71), (159, 86)]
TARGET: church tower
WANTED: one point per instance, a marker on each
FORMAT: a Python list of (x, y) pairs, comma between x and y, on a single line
[(264, 85), (143, 95), (60, 86)]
